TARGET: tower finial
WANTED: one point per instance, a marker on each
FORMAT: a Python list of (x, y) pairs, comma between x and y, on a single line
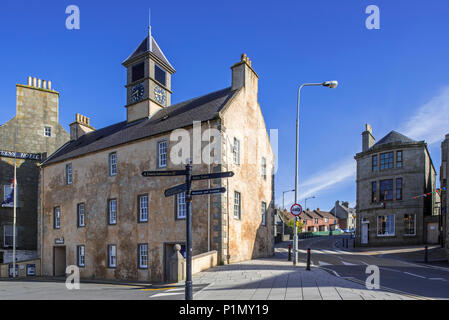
[(150, 42)]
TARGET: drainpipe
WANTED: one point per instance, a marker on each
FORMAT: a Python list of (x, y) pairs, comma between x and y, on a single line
[(208, 197)]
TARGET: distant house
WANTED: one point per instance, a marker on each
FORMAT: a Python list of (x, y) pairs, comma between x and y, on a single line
[(391, 176), (318, 220), (346, 215)]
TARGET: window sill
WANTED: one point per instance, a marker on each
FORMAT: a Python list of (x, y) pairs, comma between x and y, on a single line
[(386, 235), (410, 235)]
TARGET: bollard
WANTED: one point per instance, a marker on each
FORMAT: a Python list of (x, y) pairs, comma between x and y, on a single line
[(308, 259), (289, 252), (426, 259), (347, 240)]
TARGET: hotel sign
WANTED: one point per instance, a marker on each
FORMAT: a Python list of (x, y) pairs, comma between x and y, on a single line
[(21, 155)]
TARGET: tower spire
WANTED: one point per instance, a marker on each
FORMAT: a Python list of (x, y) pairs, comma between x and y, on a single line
[(150, 42)]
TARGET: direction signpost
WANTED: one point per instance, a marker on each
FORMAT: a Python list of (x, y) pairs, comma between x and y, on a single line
[(187, 188)]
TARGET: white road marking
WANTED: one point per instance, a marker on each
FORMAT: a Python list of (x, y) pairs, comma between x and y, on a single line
[(164, 294), (321, 263), (441, 279), (348, 263), (177, 289), (391, 269), (415, 275)]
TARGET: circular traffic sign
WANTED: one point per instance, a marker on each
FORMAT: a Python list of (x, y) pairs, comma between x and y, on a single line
[(296, 209)]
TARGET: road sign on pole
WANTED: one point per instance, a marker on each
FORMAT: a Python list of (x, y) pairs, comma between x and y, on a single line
[(215, 175), (296, 209), (175, 190), (208, 191), (187, 188), (170, 173)]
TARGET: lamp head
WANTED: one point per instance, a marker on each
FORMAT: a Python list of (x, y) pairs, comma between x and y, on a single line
[(330, 84)]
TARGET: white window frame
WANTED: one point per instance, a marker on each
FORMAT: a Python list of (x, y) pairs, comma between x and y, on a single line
[(264, 213), (6, 193), (237, 205), (81, 212), (9, 234), (143, 255), (181, 207), (57, 218), (113, 164), (414, 225), (236, 151), (326, 220), (81, 255), (264, 168), (143, 210), (112, 211), (162, 150), (69, 174), (394, 226), (47, 133), (112, 256)]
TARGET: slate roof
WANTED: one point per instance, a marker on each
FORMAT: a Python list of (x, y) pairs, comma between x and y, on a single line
[(394, 136), (143, 48), (180, 115)]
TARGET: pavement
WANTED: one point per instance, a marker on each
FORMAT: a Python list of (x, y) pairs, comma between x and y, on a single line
[(277, 279)]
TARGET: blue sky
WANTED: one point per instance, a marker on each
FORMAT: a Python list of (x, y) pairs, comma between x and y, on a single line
[(395, 78)]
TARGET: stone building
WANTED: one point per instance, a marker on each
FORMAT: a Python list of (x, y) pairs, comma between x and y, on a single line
[(390, 174), (444, 194), (345, 214), (99, 213), (38, 134)]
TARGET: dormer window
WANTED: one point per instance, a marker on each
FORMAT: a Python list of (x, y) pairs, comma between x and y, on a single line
[(160, 75), (138, 71)]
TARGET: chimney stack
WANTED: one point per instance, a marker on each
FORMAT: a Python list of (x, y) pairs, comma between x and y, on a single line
[(367, 138), (243, 75), (80, 127)]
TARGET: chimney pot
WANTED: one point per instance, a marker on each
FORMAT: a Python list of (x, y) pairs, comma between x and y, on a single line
[(30, 81), (44, 84), (49, 85), (39, 83), (34, 82)]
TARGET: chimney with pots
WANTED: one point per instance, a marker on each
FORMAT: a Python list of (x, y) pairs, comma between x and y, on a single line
[(39, 83), (80, 127), (243, 75)]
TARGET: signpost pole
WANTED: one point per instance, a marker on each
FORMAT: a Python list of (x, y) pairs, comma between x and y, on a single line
[(188, 295)]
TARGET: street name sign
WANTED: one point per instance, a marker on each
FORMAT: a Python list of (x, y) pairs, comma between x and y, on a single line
[(164, 173), (296, 209), (175, 190), (208, 191), (215, 175)]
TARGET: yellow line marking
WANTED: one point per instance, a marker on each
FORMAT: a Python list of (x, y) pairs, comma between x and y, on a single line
[(158, 289)]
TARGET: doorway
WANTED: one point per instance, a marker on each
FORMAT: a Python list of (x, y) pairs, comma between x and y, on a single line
[(432, 232), (59, 261), (364, 239)]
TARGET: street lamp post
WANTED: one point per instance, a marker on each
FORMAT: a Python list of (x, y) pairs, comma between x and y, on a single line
[(329, 84), (305, 201), (283, 207)]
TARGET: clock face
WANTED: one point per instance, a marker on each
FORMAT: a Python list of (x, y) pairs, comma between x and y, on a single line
[(137, 92), (160, 95)]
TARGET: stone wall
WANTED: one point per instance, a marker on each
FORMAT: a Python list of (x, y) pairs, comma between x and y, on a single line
[(36, 109)]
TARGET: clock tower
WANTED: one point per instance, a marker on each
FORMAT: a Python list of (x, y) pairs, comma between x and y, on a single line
[(148, 85)]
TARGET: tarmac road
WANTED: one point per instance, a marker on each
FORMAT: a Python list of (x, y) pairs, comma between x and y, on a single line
[(399, 276)]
